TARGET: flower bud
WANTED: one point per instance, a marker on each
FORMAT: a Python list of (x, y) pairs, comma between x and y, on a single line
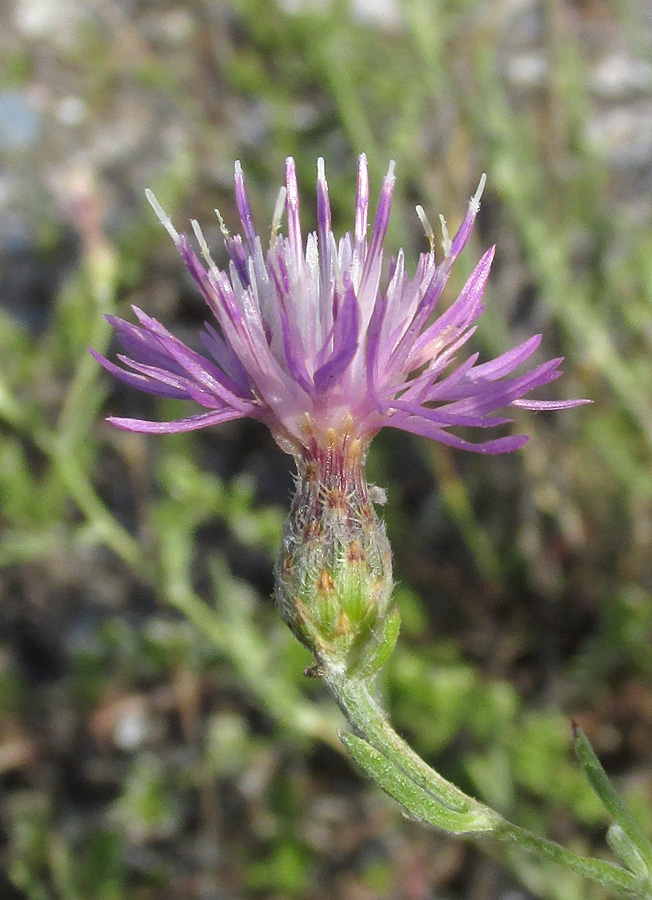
[(333, 577)]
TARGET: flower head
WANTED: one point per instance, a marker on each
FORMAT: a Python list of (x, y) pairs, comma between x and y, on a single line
[(307, 340)]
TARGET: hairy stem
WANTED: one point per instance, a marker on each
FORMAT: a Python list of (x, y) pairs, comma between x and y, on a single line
[(429, 797)]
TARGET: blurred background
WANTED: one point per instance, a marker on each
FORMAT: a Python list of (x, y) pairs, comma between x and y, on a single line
[(157, 736)]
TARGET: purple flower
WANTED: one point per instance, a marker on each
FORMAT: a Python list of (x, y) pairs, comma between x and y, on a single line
[(306, 339)]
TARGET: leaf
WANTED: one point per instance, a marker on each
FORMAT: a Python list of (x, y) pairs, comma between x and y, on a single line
[(631, 831), (418, 802)]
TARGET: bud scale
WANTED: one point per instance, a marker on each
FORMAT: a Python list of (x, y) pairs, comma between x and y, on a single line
[(333, 577)]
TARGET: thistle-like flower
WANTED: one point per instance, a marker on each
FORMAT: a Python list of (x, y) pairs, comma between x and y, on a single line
[(307, 341)]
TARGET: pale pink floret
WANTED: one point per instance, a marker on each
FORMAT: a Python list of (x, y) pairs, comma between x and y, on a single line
[(307, 341)]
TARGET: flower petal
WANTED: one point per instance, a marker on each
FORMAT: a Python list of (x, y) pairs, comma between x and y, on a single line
[(345, 343), (192, 423), (431, 430)]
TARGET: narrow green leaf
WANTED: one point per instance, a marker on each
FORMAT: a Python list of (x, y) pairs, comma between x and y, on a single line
[(626, 851), (383, 645), (606, 873), (419, 803), (600, 783)]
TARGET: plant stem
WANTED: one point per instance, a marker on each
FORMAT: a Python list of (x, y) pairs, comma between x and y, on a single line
[(401, 772), (363, 711)]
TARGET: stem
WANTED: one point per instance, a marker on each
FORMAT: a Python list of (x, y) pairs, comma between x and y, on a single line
[(384, 755), (605, 873), (363, 711)]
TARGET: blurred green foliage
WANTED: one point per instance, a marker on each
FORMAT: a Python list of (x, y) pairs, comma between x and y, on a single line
[(525, 583)]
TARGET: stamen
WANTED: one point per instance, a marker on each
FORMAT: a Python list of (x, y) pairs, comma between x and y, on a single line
[(201, 240), (293, 218), (475, 199), (361, 202), (337, 273), (225, 231), (163, 217), (244, 207), (445, 237), (427, 227), (278, 213), (323, 223), (464, 230)]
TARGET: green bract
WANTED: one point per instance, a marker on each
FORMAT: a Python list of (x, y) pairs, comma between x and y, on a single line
[(333, 580)]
